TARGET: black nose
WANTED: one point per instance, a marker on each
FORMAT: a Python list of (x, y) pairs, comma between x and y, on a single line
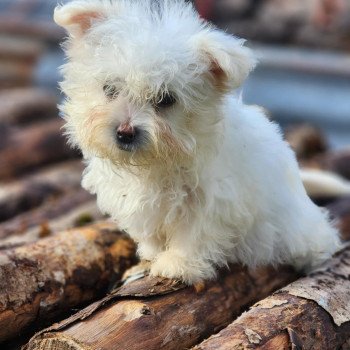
[(126, 136)]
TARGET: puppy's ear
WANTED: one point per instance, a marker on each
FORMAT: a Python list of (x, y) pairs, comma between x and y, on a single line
[(78, 16), (229, 62)]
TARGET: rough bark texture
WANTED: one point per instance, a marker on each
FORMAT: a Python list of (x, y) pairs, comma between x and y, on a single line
[(296, 316), (154, 314), (27, 193), (21, 106), (42, 280), (25, 149)]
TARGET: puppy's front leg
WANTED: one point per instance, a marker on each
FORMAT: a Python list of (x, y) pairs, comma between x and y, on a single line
[(186, 259), (149, 248)]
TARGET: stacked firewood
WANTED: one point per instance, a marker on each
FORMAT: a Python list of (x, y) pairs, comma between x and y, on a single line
[(60, 260)]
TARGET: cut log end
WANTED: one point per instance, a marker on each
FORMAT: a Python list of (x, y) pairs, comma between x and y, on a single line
[(60, 342)]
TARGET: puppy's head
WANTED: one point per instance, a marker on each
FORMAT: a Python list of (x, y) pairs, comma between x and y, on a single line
[(145, 78)]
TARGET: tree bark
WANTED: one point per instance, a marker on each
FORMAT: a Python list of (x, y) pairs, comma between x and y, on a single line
[(22, 106), (153, 313), (25, 149), (311, 313), (41, 281), (33, 190)]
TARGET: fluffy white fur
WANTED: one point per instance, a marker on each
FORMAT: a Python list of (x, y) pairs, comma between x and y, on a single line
[(213, 181)]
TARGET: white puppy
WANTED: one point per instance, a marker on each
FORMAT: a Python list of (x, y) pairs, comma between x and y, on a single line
[(195, 177)]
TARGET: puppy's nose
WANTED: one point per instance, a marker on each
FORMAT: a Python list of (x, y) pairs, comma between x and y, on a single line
[(126, 134)]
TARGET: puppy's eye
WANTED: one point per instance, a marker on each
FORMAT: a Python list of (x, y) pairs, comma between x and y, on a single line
[(166, 101), (110, 91)]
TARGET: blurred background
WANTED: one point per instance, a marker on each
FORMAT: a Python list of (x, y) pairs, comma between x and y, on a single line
[(302, 45)]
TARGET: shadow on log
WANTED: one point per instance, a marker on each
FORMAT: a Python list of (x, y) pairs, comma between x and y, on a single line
[(39, 282), (152, 313), (311, 313)]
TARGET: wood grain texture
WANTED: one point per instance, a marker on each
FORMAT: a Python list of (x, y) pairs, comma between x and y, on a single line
[(153, 313), (288, 319), (43, 280)]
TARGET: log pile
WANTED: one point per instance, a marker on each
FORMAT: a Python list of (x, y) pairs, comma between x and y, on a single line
[(62, 261), (42, 280), (311, 313), (55, 267), (161, 314)]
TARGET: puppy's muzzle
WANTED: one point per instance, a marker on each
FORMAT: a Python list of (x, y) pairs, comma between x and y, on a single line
[(128, 137)]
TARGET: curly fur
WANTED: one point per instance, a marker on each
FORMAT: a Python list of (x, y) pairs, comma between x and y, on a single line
[(213, 181)]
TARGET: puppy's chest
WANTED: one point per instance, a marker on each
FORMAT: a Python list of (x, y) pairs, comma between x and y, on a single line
[(127, 196)]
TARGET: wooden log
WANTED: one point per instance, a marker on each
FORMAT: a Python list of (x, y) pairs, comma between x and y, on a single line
[(72, 211), (311, 313), (153, 313), (21, 106), (25, 149), (33, 190), (41, 281)]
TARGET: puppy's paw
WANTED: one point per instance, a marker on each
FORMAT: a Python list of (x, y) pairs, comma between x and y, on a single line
[(170, 264)]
